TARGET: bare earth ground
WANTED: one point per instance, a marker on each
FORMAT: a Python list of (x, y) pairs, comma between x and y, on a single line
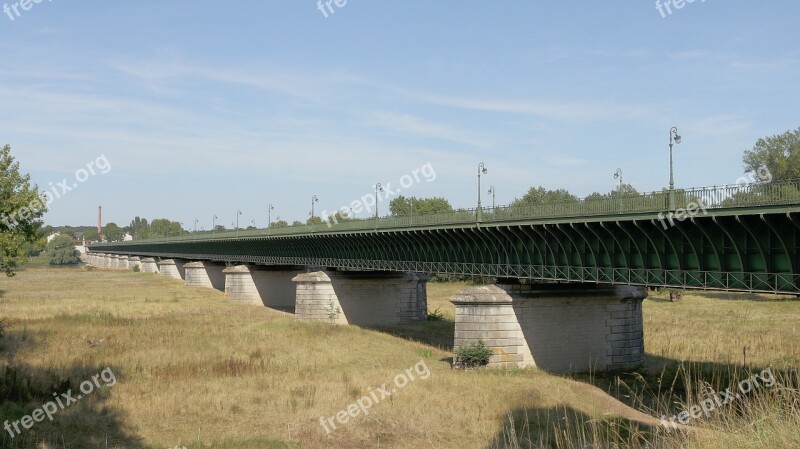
[(195, 370)]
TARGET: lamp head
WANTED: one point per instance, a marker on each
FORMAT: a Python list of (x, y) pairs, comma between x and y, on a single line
[(673, 134)]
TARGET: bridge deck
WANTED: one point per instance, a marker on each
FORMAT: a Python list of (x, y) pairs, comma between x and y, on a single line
[(742, 238)]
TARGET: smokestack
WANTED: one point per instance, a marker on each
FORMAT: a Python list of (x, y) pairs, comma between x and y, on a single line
[(100, 220)]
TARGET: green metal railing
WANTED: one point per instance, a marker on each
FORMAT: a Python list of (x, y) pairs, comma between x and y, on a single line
[(697, 199)]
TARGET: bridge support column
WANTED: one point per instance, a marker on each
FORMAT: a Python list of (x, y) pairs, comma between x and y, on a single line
[(361, 298), (149, 265), (264, 286), (205, 274), (122, 263), (173, 268), (111, 261), (558, 328), (134, 263)]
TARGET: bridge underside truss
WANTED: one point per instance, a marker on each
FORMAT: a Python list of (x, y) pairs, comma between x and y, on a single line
[(755, 252)]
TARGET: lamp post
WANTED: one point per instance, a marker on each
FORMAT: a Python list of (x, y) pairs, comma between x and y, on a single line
[(214, 224), (378, 188), (618, 175), (238, 212), (195, 224), (481, 170), (314, 199), (493, 191), (269, 215), (412, 210), (673, 136)]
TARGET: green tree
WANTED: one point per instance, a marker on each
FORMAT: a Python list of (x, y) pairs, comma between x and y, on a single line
[(779, 154), (33, 249), (162, 227), (61, 251), (280, 224), (297, 223), (113, 232), (623, 190), (139, 228), (596, 196), (314, 220), (21, 209), (540, 195), (91, 235), (402, 206)]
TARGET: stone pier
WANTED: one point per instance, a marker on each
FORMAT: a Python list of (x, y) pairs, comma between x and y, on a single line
[(205, 274), (113, 263), (134, 263), (106, 263), (172, 268), (558, 328), (361, 298), (149, 265), (265, 286), (123, 263)]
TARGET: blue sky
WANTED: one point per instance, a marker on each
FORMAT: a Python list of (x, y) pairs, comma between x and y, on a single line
[(203, 108)]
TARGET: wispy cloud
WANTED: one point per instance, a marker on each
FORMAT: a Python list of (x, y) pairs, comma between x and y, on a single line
[(408, 124)]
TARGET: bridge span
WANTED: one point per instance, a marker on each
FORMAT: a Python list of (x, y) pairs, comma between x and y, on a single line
[(571, 276)]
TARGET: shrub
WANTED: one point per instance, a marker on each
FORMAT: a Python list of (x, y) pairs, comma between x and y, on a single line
[(2, 329), (436, 315), (61, 251), (471, 356)]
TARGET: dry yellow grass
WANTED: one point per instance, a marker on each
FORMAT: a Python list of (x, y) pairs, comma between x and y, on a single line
[(195, 370), (190, 363)]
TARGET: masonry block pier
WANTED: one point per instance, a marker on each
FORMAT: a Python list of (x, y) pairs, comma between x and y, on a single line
[(149, 265), (557, 327), (361, 298), (265, 286), (205, 274), (173, 268), (134, 263)]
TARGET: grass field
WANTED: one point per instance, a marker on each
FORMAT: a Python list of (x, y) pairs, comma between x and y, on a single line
[(194, 370)]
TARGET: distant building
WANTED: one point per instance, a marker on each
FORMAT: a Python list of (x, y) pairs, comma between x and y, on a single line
[(128, 237), (52, 236)]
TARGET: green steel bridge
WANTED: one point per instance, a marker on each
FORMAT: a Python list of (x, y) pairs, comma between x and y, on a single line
[(735, 238)]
